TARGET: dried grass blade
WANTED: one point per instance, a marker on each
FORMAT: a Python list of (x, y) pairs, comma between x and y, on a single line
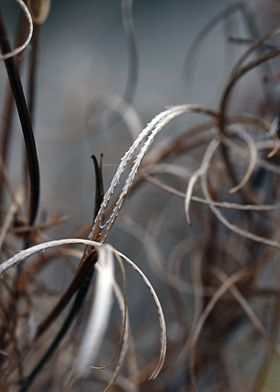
[(24, 254), (100, 311), (19, 49), (159, 310), (143, 142), (252, 160)]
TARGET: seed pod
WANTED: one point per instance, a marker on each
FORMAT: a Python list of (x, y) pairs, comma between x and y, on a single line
[(39, 10)]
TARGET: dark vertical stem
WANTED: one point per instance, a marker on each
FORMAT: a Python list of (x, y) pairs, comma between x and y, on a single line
[(32, 159), (31, 98), (6, 132), (99, 193), (33, 67)]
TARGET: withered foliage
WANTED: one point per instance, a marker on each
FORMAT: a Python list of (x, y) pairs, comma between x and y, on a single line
[(212, 249)]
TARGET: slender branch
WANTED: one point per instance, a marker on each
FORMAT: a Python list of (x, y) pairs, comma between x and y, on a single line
[(32, 159)]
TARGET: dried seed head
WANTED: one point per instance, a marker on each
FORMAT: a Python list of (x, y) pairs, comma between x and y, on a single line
[(39, 10)]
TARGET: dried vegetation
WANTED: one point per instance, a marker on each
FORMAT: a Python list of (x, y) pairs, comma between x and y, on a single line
[(219, 279)]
